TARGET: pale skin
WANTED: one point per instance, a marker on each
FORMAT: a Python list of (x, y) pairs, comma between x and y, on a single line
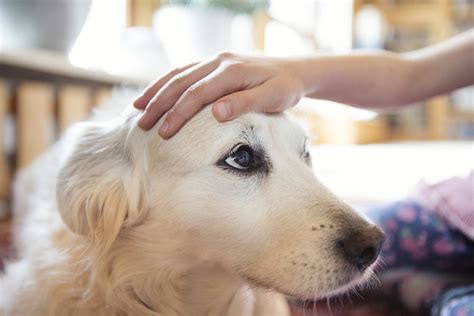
[(238, 84)]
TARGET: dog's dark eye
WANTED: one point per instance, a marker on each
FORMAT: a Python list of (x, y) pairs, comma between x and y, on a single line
[(241, 159), (306, 156), (245, 160)]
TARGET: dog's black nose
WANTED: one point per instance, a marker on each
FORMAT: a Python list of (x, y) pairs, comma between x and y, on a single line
[(363, 247)]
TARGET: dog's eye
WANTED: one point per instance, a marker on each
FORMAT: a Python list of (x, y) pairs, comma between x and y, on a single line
[(306, 155), (241, 158), (245, 160)]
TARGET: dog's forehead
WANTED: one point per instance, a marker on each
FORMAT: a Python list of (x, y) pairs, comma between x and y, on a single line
[(204, 133), (272, 128), (264, 129)]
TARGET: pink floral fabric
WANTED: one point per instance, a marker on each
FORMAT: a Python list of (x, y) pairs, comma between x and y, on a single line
[(418, 237), (453, 200)]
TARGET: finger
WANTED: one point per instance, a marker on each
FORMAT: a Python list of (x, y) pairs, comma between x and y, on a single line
[(171, 91), (201, 93), (263, 98), (141, 101)]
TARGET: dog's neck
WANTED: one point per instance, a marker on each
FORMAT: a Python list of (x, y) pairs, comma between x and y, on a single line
[(167, 287), (204, 289), (127, 280), (208, 289), (211, 290), (138, 282)]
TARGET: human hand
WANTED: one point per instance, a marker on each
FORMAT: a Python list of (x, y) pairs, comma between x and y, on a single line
[(235, 84)]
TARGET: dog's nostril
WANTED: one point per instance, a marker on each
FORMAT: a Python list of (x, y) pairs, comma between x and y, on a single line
[(368, 256), (361, 257), (363, 247)]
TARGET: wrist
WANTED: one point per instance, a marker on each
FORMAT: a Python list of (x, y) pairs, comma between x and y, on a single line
[(297, 69), (307, 70)]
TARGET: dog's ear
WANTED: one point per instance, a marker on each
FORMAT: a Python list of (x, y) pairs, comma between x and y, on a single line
[(100, 187)]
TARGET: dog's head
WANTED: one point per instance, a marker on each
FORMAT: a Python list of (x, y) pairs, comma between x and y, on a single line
[(240, 194)]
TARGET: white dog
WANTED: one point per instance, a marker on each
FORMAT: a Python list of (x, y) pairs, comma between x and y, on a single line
[(222, 219)]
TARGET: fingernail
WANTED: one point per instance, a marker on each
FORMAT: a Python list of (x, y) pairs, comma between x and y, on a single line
[(223, 110), (138, 100), (164, 128)]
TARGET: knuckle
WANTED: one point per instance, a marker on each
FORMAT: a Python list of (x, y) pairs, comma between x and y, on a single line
[(194, 90), (224, 56), (171, 115), (176, 115), (245, 102), (193, 97), (178, 80), (234, 67)]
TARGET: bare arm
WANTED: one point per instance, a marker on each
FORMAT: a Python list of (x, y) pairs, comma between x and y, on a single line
[(441, 68), (383, 79), (363, 79), (239, 84)]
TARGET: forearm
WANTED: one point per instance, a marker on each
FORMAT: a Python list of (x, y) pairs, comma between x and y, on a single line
[(383, 79), (441, 68), (365, 79)]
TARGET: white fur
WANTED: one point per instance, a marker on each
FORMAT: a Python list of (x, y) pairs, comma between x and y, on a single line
[(116, 221)]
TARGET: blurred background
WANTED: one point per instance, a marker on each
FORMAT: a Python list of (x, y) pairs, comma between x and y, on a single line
[(60, 58)]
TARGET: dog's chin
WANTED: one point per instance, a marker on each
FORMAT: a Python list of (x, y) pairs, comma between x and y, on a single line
[(346, 288), (351, 281), (357, 281)]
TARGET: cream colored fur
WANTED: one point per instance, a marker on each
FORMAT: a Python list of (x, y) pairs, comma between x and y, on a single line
[(116, 221)]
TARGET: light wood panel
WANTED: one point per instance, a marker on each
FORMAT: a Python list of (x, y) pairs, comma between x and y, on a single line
[(4, 168), (438, 114), (140, 12), (74, 105), (101, 96), (35, 126)]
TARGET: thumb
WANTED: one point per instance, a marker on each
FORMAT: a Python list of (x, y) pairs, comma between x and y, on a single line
[(241, 102)]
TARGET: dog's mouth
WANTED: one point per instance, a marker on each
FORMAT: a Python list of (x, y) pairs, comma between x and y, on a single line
[(345, 284)]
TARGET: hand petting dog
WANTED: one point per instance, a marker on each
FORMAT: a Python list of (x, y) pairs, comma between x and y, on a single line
[(240, 84)]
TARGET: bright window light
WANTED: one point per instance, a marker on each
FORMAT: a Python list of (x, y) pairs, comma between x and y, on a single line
[(101, 34)]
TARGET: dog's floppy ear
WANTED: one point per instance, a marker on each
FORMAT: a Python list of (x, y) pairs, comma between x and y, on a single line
[(99, 188)]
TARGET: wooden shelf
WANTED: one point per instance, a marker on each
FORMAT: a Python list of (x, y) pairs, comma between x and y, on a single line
[(38, 64)]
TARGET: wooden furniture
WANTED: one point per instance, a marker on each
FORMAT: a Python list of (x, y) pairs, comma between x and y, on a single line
[(41, 95), (4, 168), (140, 12), (34, 115)]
